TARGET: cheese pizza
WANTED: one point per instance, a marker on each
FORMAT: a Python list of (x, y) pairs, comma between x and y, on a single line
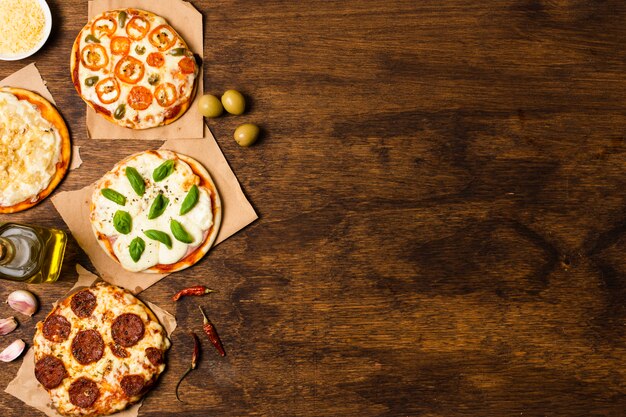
[(156, 211), (134, 69), (35, 149), (98, 351)]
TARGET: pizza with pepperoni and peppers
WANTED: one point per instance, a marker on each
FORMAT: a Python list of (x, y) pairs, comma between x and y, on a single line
[(134, 69), (98, 351)]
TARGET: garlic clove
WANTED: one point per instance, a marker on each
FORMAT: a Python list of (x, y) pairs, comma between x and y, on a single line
[(23, 302), (13, 351), (7, 325)]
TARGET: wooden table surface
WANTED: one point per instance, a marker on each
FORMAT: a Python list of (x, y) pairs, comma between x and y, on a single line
[(442, 211)]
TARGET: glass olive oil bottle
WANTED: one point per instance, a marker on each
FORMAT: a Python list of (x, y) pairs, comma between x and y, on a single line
[(31, 253)]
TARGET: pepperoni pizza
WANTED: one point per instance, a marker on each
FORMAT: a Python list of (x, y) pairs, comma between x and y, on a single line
[(133, 68), (98, 351)]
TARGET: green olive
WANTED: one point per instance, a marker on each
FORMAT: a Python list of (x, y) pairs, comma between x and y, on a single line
[(210, 106), (247, 134), (233, 102), (91, 81)]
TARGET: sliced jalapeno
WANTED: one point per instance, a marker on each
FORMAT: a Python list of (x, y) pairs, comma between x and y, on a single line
[(140, 49), (153, 79), (91, 81), (91, 39), (120, 111), (121, 18), (177, 51)]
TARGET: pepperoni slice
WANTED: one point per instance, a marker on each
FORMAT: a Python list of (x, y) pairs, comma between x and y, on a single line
[(118, 351), (94, 56), (155, 59), (87, 346), (108, 90), (187, 65), (104, 26), (155, 356), (166, 94), (83, 392), (129, 69), (132, 384), (139, 98), (120, 45), (50, 371), (56, 328), (162, 37), (83, 303), (127, 329), (137, 28)]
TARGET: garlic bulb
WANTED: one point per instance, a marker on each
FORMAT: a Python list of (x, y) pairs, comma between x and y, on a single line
[(23, 302), (7, 325), (13, 351)]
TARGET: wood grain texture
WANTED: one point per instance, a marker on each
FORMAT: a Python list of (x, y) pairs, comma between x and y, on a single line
[(443, 223)]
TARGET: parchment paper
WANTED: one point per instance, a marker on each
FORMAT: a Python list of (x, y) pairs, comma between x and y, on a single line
[(187, 21), (25, 386), (76, 160), (28, 78), (237, 212)]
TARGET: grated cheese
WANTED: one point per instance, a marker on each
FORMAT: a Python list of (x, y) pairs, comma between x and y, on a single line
[(21, 25)]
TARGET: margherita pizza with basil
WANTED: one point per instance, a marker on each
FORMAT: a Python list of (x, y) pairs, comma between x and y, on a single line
[(98, 351), (35, 149), (133, 68), (156, 211)]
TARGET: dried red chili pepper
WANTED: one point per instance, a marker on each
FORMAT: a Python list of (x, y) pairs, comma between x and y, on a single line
[(194, 361), (197, 290), (210, 331)]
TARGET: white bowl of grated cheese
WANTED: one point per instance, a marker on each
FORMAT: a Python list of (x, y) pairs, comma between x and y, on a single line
[(25, 26)]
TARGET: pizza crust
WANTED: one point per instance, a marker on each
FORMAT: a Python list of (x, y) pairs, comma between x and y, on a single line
[(50, 113), (171, 115), (210, 235)]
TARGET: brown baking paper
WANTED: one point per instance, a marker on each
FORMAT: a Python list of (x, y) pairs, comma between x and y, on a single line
[(27, 389), (237, 212), (28, 78), (187, 21)]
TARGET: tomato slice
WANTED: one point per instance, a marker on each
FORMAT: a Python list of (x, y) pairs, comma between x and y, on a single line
[(94, 56), (155, 59), (120, 45), (137, 28), (187, 65), (108, 90), (166, 94), (162, 37), (129, 69), (104, 26), (139, 98)]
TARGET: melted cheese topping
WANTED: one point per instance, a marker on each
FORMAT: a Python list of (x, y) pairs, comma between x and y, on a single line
[(154, 115), (30, 148), (21, 25), (109, 369), (174, 187)]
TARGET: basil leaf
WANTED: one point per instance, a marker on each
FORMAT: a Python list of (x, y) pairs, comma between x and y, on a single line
[(122, 222), (179, 232), (114, 196), (158, 206), (160, 236), (190, 200), (136, 181), (163, 171), (136, 248)]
